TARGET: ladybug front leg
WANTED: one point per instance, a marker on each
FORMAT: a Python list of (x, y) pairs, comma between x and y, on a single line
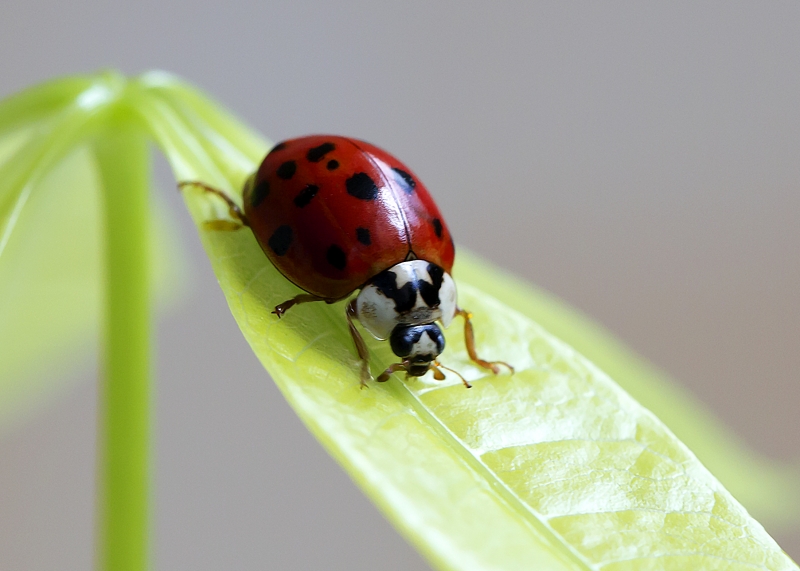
[(361, 347), (392, 369), (469, 338), (239, 219)]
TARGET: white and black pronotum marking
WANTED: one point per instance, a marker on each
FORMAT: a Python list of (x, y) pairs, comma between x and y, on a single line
[(402, 304)]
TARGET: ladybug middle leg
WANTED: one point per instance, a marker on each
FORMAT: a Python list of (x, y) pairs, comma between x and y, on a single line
[(239, 219), (350, 313), (469, 338), (282, 308), (361, 347)]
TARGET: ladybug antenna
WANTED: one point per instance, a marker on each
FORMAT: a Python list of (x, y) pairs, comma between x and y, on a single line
[(436, 365)]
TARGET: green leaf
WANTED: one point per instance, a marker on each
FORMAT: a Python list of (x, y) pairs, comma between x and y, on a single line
[(554, 468), (767, 488)]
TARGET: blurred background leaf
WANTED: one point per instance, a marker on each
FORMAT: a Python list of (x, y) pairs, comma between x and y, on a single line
[(51, 281)]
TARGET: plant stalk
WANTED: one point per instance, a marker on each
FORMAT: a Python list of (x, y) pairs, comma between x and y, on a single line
[(125, 399)]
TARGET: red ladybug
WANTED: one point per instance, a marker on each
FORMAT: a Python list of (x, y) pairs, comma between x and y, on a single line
[(335, 215)]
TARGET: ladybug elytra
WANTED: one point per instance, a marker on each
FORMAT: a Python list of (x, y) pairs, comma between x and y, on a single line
[(336, 215)]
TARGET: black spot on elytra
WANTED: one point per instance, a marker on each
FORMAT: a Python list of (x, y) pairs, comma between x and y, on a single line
[(430, 291), (278, 147), (280, 240), (332, 165), (361, 186), (406, 180), (305, 195), (336, 257), (316, 154), (286, 170), (362, 235), (437, 227), (404, 298), (259, 193)]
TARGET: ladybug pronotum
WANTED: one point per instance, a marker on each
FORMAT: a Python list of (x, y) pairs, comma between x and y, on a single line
[(336, 215)]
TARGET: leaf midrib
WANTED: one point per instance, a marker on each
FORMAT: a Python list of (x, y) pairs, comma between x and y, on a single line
[(500, 488)]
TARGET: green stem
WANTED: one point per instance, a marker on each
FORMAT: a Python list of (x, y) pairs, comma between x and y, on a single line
[(124, 161)]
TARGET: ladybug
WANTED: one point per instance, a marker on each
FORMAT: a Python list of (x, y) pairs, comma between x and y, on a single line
[(335, 215)]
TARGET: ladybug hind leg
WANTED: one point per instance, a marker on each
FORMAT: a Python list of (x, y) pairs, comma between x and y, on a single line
[(239, 219), (469, 339)]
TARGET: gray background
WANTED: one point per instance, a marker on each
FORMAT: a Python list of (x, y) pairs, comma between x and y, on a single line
[(638, 159)]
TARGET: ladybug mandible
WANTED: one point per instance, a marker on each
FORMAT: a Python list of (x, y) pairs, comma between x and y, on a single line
[(335, 215)]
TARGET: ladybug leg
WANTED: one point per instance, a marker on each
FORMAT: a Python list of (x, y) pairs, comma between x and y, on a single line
[(239, 219), (282, 308), (469, 338), (391, 369), (361, 347)]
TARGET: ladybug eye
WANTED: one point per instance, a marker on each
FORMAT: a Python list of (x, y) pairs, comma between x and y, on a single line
[(418, 343), (402, 340)]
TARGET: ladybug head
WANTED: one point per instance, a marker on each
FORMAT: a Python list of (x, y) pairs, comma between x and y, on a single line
[(417, 345)]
